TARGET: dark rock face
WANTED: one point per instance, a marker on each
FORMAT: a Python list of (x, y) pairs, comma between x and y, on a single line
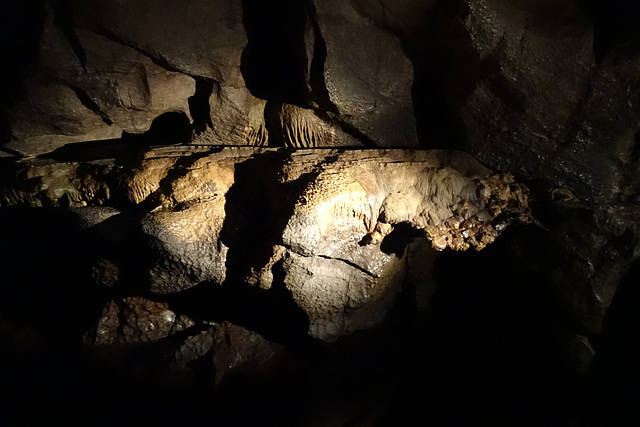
[(374, 98), (219, 205), (202, 39), (87, 87), (532, 97)]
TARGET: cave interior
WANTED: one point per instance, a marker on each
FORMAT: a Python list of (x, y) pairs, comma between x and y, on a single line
[(320, 213)]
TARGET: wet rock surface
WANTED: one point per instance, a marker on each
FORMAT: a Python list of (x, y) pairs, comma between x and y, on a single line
[(188, 282), (375, 99), (544, 91)]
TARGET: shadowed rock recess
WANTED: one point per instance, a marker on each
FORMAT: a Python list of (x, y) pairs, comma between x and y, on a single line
[(320, 213)]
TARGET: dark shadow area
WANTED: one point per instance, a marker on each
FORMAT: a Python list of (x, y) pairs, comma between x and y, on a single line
[(396, 242), (319, 92), (199, 104), (21, 24), (271, 313), (437, 123), (615, 23), (167, 129), (254, 217), (48, 301), (45, 268), (612, 390), (257, 211), (89, 151), (274, 60), (489, 351), (446, 72)]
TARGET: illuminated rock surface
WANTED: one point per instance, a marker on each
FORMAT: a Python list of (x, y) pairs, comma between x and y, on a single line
[(205, 216), (330, 212)]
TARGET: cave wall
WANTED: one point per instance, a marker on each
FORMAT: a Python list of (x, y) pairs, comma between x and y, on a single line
[(227, 189)]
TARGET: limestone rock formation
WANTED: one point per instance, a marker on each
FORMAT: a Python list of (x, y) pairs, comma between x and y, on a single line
[(328, 241), (362, 75), (600, 244), (563, 113), (389, 212), (296, 127), (127, 324), (137, 320), (237, 117), (203, 38), (88, 88)]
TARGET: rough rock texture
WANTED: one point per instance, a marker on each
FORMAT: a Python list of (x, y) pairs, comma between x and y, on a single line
[(136, 320), (237, 118), (188, 245), (338, 298), (105, 69), (362, 74), (355, 261), (326, 222), (49, 184), (599, 244), (539, 96), (128, 324), (87, 87), (292, 126), (210, 34)]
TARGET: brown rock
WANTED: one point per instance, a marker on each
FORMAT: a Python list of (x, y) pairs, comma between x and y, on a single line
[(338, 297), (93, 94), (184, 231), (136, 320), (320, 221), (56, 184), (237, 350), (203, 38), (536, 97), (237, 118), (367, 76), (296, 127), (187, 246), (52, 117)]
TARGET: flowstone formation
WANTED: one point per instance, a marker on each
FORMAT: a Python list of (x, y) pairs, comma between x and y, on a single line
[(332, 227)]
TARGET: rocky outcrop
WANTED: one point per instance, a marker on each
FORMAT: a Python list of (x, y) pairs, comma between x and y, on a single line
[(535, 94), (182, 186), (599, 245), (96, 78), (128, 324), (136, 320), (237, 117), (360, 74), (202, 39), (325, 220), (295, 127), (86, 87)]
